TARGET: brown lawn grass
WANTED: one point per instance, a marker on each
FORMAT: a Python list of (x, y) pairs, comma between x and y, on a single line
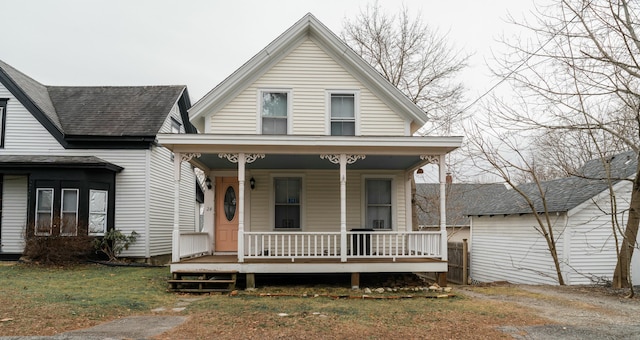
[(45, 301)]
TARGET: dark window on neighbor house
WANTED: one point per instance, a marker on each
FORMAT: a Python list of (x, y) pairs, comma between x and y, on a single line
[(44, 211), (98, 207), (175, 125), (3, 120), (69, 212), (287, 202)]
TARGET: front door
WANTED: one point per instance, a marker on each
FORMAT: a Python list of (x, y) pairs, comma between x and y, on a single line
[(226, 214)]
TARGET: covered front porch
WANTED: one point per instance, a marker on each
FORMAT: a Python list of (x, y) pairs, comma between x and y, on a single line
[(347, 205)]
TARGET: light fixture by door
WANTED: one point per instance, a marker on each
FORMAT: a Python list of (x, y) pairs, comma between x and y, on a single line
[(207, 182), (252, 183)]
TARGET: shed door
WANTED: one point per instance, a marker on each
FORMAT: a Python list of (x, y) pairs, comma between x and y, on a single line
[(226, 214)]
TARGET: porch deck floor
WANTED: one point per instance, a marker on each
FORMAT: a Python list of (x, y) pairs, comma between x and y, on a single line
[(234, 259)]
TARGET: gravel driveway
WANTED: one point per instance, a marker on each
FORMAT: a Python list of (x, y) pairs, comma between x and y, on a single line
[(576, 312)]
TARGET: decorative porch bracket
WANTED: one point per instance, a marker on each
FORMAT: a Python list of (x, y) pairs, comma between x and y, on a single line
[(241, 159), (343, 160)]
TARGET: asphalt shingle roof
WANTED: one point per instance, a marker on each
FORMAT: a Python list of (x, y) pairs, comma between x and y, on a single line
[(562, 194), (100, 111)]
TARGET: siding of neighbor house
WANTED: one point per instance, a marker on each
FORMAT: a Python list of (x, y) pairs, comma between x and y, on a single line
[(26, 136), (321, 194), (14, 213), (161, 194), (593, 249), (309, 72), (509, 248)]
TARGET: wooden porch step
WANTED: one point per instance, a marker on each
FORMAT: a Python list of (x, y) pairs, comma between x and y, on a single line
[(203, 281)]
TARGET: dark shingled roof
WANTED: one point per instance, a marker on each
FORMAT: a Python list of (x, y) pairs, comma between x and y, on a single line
[(99, 111), (114, 111), (34, 161), (562, 194), (461, 197)]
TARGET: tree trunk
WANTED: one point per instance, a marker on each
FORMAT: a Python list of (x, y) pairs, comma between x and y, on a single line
[(622, 273)]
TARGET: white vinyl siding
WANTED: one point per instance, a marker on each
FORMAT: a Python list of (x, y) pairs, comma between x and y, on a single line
[(309, 72), (508, 248), (161, 196), (14, 213), (321, 200)]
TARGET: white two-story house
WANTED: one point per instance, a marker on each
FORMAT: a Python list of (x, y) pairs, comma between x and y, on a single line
[(79, 161), (309, 154)]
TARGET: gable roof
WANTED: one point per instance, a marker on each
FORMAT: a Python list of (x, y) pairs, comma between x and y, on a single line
[(308, 26), (461, 197), (103, 116), (563, 194)]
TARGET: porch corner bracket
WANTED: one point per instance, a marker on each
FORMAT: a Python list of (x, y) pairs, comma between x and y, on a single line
[(250, 158), (231, 157), (335, 159), (431, 159), (185, 157)]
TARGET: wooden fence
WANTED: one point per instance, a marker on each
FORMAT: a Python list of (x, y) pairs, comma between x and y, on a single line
[(458, 269)]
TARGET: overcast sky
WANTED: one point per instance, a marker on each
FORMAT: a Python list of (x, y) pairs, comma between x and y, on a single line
[(199, 43)]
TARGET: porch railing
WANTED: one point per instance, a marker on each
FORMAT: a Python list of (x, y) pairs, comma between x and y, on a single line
[(360, 244), (193, 243)]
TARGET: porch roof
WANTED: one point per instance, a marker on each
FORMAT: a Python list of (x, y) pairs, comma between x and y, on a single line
[(302, 152)]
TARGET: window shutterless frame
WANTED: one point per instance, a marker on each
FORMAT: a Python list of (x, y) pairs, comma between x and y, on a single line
[(98, 207), (379, 202), (287, 200), (69, 212), (342, 113), (274, 111), (44, 211)]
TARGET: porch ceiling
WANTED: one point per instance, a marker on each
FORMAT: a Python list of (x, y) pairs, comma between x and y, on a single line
[(279, 161), (303, 152)]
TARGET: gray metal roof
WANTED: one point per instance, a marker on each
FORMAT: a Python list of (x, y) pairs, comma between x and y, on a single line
[(561, 194)]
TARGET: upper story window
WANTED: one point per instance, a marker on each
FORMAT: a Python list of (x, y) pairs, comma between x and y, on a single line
[(343, 113), (175, 125), (3, 120), (274, 111)]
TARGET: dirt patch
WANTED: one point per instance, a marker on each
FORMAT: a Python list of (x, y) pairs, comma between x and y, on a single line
[(574, 312)]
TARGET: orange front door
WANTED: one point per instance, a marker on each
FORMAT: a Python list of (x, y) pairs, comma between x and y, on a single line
[(226, 214)]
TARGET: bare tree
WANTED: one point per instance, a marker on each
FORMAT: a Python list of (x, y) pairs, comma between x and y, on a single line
[(415, 58), (579, 77)]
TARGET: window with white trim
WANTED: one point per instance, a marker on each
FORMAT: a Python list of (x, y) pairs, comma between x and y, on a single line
[(69, 212), (274, 111), (343, 114), (288, 191), (378, 203), (98, 212), (44, 211)]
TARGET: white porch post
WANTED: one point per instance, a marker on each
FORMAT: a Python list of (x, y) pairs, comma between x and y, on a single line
[(209, 211), (175, 236), (443, 207), (343, 207), (241, 175)]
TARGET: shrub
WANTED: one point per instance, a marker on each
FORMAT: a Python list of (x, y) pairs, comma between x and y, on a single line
[(114, 242), (58, 249)]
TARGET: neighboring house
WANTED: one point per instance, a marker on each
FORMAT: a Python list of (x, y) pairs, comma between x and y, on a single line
[(507, 246), (84, 160), (460, 198), (304, 147)]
